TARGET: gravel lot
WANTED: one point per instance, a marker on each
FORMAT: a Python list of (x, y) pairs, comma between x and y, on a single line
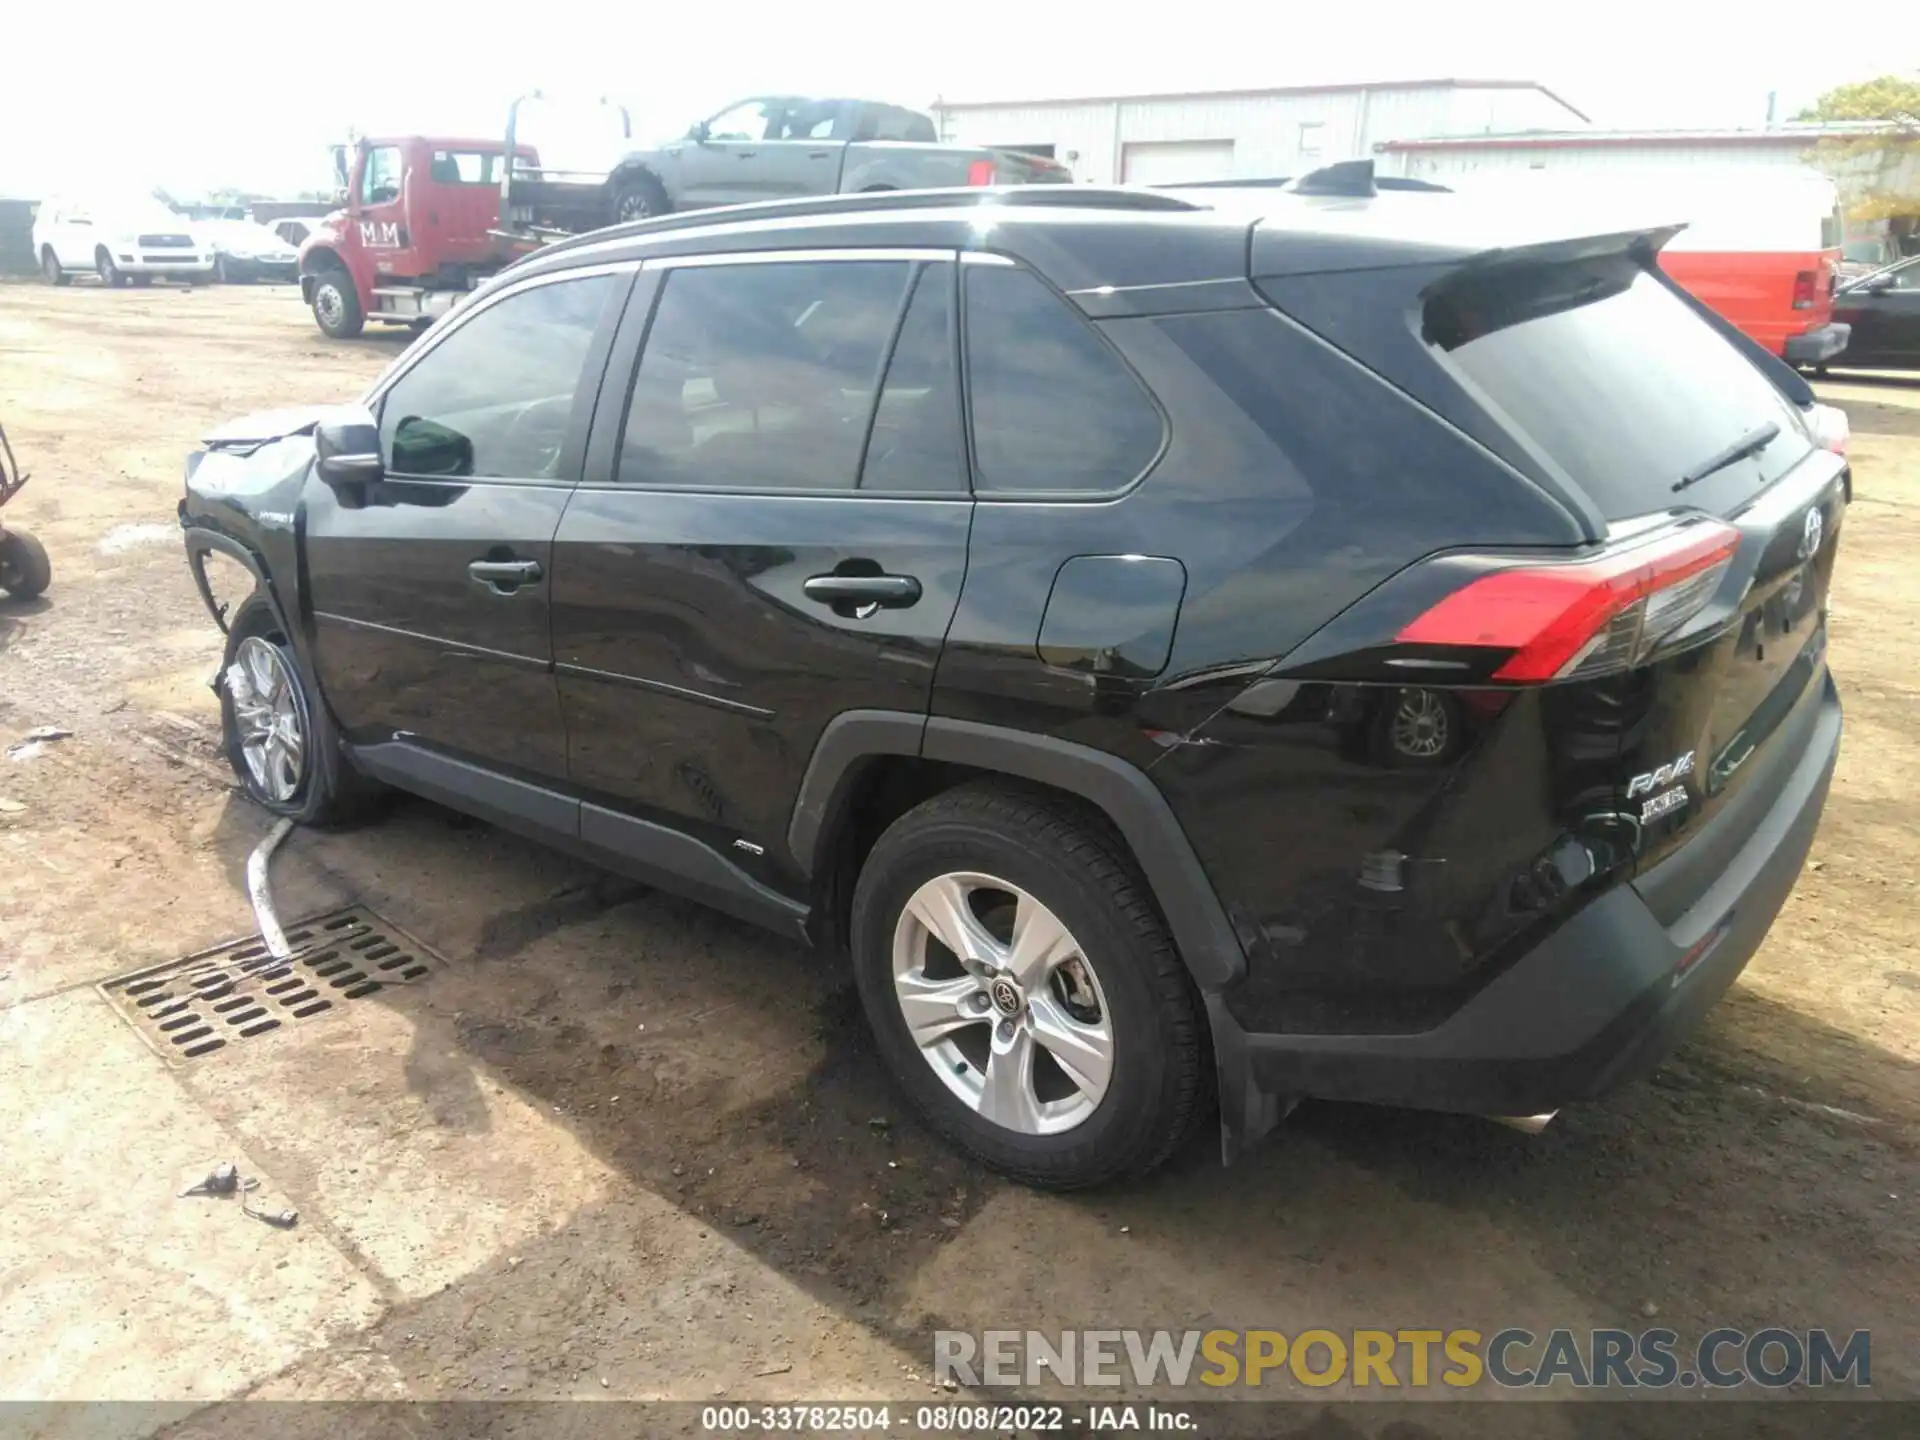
[(619, 1146)]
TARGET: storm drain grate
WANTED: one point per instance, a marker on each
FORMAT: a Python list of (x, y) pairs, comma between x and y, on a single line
[(196, 1006)]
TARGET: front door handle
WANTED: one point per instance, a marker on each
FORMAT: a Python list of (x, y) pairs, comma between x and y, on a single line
[(858, 596), (503, 577)]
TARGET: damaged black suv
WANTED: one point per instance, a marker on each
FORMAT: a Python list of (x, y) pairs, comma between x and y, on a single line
[(1188, 651)]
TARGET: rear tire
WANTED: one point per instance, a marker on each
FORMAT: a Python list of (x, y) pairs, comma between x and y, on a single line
[(336, 305), (110, 273), (1071, 960), (50, 270), (280, 738), (25, 570)]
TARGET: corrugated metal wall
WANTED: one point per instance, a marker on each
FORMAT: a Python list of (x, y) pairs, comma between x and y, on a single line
[(1280, 133), (1440, 164)]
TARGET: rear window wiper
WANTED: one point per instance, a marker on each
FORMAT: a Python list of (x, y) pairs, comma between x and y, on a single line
[(1754, 440)]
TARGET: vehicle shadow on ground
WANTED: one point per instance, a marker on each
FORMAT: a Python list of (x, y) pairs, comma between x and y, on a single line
[(1865, 417), (13, 612), (748, 1095)]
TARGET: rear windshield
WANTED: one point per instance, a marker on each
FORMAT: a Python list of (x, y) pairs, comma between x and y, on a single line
[(1609, 375)]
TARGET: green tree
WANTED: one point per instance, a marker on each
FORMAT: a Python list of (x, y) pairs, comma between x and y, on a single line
[(1878, 170)]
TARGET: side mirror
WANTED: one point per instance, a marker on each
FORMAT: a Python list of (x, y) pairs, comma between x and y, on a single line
[(426, 447), (347, 453), (698, 132), (1881, 284)]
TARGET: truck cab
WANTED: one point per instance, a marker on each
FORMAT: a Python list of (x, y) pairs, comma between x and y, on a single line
[(415, 231)]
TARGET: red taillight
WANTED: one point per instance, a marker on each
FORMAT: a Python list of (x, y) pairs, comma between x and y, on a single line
[(1806, 289), (1588, 618), (980, 172)]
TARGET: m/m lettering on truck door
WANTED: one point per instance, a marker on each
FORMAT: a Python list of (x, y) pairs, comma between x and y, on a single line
[(380, 234)]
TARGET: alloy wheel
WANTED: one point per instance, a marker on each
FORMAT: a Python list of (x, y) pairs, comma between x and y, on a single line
[(1003, 1003), (1421, 726), (270, 717)]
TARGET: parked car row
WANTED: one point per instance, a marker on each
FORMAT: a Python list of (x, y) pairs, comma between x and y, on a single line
[(135, 241)]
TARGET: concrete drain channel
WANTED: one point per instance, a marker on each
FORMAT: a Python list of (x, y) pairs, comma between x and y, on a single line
[(204, 1003)]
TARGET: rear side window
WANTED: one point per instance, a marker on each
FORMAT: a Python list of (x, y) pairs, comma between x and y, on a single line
[(1613, 378), (763, 377), (1054, 409)]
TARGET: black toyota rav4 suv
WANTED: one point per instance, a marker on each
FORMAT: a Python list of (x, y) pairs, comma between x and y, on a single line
[(1186, 651)]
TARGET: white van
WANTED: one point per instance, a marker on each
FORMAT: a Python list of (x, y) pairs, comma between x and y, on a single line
[(118, 241)]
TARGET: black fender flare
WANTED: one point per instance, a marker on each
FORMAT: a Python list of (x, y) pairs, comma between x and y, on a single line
[(1122, 792), (199, 542)]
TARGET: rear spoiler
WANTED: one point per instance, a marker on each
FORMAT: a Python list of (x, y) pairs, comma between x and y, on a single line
[(1343, 177)]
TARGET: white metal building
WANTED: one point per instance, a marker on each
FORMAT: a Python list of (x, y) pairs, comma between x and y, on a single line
[(1785, 148), (1227, 134)]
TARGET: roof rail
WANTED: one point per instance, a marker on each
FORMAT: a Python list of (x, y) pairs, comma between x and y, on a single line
[(1065, 197)]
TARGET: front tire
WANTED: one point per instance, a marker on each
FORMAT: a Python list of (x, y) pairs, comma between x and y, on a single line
[(277, 733), (25, 570), (50, 270), (336, 305), (1023, 990), (110, 273)]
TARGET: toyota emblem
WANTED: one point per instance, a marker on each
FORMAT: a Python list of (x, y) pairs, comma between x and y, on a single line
[(1811, 534)]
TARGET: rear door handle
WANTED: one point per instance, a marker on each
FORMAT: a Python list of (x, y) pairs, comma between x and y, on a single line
[(503, 577), (818, 154), (858, 596)]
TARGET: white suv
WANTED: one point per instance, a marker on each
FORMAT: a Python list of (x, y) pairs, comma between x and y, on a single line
[(118, 242)]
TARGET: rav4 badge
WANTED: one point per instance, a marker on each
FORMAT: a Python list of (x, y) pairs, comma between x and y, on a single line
[(1654, 779)]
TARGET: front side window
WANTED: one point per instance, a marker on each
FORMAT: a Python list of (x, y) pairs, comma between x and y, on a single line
[(380, 181), (494, 399), (749, 121), (1054, 409), (762, 376)]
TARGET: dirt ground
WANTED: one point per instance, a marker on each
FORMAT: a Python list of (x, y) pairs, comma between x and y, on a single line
[(620, 1146)]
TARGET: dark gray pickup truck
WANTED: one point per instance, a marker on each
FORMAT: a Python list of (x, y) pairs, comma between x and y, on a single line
[(784, 146)]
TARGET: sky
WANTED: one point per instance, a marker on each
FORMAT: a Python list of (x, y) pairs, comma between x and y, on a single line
[(251, 97)]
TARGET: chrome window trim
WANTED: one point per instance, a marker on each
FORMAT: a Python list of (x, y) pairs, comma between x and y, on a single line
[(894, 253)]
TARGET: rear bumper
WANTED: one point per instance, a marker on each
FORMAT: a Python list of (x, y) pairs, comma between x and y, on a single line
[(1819, 344), (1599, 1002)]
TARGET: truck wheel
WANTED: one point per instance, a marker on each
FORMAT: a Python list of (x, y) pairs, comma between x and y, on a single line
[(336, 305), (109, 272), (638, 196), (24, 568), (50, 270)]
